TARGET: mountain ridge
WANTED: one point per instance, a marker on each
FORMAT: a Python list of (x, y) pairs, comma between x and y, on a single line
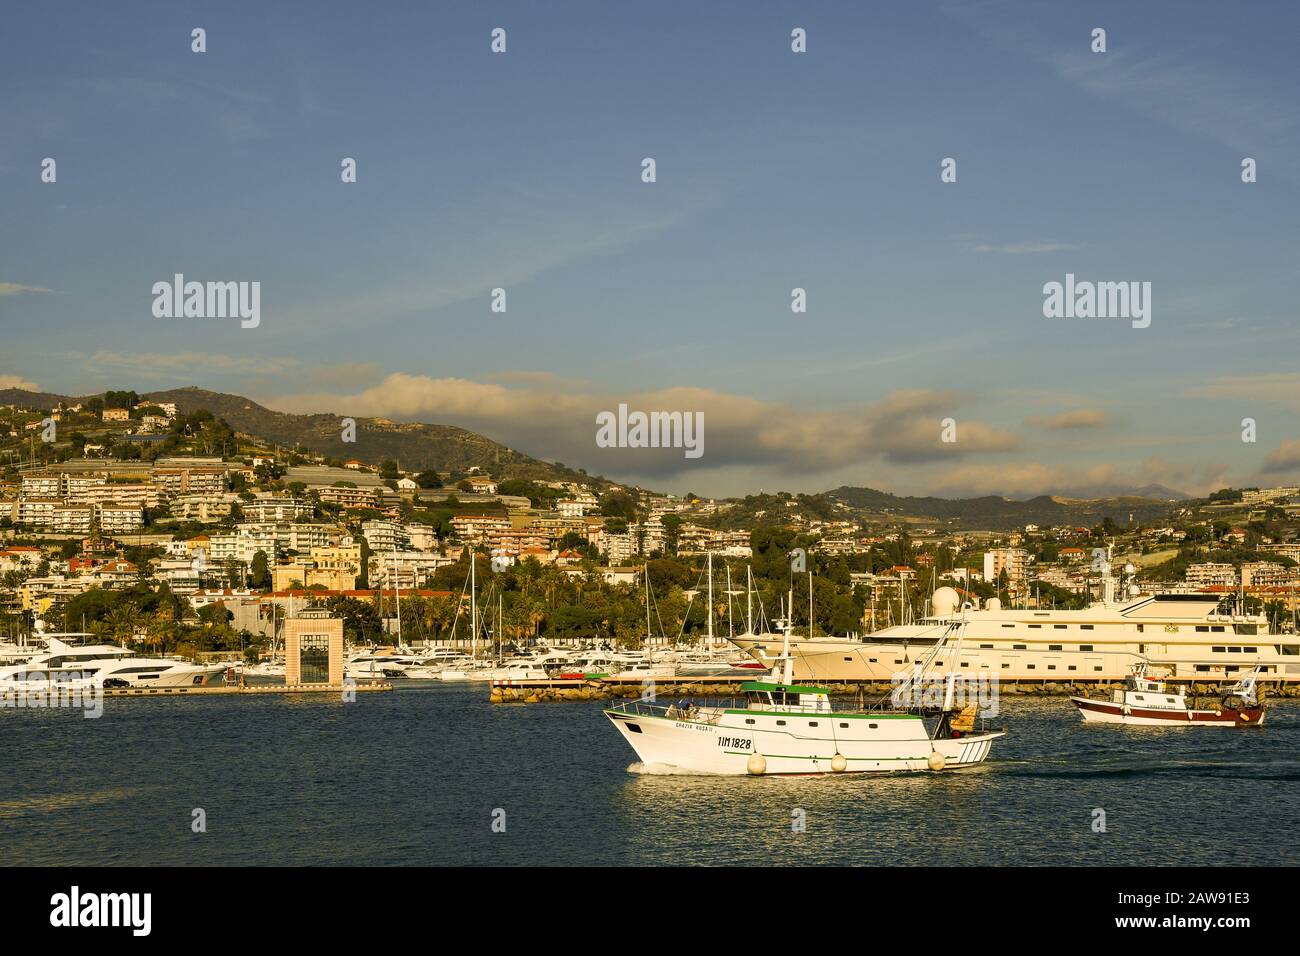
[(421, 446)]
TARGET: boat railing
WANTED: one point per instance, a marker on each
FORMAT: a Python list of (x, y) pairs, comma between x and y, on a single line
[(707, 713)]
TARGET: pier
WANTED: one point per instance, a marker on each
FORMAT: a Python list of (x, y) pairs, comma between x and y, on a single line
[(606, 688), (252, 690)]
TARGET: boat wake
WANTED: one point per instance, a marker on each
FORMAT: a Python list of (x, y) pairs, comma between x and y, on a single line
[(666, 770)]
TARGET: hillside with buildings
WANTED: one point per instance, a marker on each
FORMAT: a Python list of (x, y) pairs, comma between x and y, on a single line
[(152, 520), (415, 446)]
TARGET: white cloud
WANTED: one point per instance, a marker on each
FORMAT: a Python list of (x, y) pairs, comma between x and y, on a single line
[(556, 420), (1073, 419), (18, 288), (17, 381), (1285, 459), (145, 363), (1281, 388), (1024, 248)]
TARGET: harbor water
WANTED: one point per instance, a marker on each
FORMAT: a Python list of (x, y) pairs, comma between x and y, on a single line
[(434, 774)]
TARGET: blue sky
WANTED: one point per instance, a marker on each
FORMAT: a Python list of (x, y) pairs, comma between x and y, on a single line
[(775, 170)]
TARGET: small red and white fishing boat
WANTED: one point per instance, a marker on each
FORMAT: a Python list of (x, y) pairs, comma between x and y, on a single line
[(1148, 703)]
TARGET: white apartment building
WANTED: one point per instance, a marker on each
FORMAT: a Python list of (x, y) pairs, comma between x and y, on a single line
[(1262, 495), (1015, 561), (243, 544), (421, 537), (1266, 574), (179, 573), (405, 569), (37, 512), (42, 486), (178, 481), (209, 507), (276, 508), (76, 485), (478, 529), (1210, 574), (349, 497), (73, 519), (1290, 549), (141, 494), (116, 517), (383, 536)]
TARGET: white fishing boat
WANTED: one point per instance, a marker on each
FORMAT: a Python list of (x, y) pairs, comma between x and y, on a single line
[(785, 728), (1146, 702)]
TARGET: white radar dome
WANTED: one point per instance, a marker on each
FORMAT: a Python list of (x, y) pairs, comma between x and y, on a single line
[(993, 604), (944, 602)]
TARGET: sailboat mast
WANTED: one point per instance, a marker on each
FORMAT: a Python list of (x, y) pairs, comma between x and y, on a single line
[(749, 599), (397, 599), (710, 598), (473, 607), (810, 605), (731, 630)]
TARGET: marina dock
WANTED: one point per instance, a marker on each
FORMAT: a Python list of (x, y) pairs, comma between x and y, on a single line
[(606, 688), (252, 690)]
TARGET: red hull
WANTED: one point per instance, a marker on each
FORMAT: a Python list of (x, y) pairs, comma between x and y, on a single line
[(1244, 717)]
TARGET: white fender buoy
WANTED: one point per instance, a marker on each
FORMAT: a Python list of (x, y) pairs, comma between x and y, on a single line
[(937, 761), (757, 765), (839, 763)]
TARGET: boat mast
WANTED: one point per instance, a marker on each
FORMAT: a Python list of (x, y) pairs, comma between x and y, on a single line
[(788, 676), (397, 599), (473, 608), (810, 606), (648, 632), (710, 566), (749, 599), (731, 630)]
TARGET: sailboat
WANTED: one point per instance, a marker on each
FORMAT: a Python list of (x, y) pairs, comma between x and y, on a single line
[(781, 727)]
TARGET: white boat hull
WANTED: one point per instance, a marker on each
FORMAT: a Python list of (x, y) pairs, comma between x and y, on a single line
[(805, 744), (1096, 711)]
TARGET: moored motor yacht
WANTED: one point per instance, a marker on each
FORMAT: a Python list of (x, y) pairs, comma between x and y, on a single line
[(101, 665), (1193, 635)]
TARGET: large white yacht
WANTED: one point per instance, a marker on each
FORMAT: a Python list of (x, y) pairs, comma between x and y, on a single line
[(1179, 636), (101, 665)]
